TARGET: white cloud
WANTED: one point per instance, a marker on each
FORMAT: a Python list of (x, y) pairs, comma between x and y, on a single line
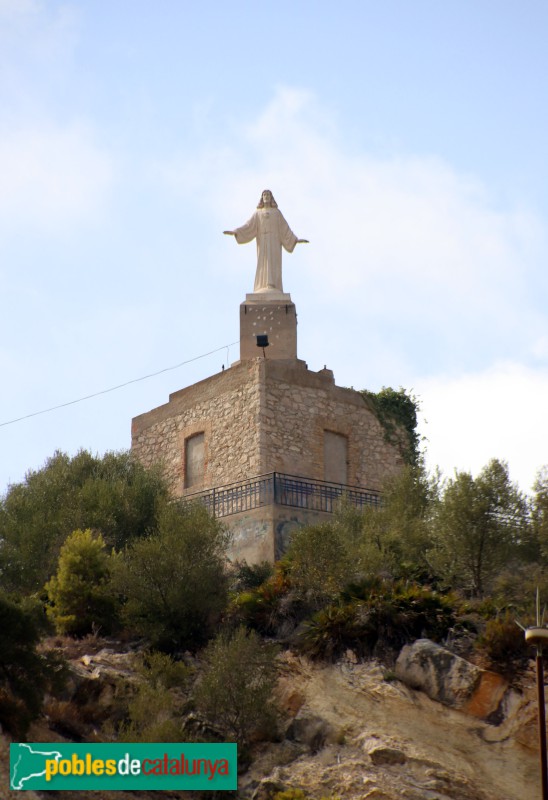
[(54, 173), (498, 413), (13, 10), (36, 28), (37, 43), (409, 235), (51, 177)]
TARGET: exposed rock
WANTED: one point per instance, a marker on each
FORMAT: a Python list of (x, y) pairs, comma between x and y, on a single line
[(311, 730), (450, 679), (265, 762), (267, 788), (379, 740), (424, 750), (106, 664), (381, 753)]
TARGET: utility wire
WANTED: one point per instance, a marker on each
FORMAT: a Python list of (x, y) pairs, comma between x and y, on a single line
[(114, 388)]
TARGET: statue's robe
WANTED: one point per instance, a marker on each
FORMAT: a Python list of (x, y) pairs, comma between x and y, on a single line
[(269, 228)]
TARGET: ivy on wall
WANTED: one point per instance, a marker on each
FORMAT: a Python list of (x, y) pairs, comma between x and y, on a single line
[(397, 413)]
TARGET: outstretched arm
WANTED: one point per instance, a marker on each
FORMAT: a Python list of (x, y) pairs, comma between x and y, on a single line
[(245, 233)]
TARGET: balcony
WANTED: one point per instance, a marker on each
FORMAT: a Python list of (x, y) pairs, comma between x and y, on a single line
[(276, 488)]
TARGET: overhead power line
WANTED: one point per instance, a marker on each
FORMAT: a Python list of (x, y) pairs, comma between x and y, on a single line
[(115, 388)]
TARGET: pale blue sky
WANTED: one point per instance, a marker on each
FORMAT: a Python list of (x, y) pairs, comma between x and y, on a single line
[(407, 141)]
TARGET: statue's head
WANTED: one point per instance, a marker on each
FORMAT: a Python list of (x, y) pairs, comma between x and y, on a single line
[(267, 199)]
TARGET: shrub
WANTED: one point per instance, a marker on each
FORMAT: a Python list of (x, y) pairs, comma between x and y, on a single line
[(515, 588), (234, 693), (377, 614), (24, 673), (155, 711), (319, 562), (333, 630), (503, 643), (269, 607), (174, 581), (250, 576), (79, 593)]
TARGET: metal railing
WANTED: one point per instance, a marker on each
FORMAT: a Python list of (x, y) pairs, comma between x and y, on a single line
[(285, 490)]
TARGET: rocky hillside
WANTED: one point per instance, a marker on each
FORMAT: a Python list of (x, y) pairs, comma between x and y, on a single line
[(367, 737), (356, 731)]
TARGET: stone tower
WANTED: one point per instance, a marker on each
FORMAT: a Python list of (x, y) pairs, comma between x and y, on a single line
[(267, 444)]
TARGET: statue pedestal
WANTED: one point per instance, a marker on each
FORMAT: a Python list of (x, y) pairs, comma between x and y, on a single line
[(273, 314), (268, 296)]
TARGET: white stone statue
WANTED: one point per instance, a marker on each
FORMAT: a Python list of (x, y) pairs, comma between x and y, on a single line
[(269, 228)]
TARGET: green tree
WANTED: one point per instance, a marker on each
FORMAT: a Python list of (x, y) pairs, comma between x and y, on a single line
[(113, 494), (320, 562), (24, 673), (390, 540), (480, 526), (235, 692), (79, 593), (174, 580), (394, 538), (540, 512)]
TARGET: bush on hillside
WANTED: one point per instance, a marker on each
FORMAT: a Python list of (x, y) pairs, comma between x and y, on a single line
[(235, 691), (319, 563), (173, 583), (374, 616), (24, 673), (250, 576), (155, 710), (503, 644), (79, 595), (274, 608)]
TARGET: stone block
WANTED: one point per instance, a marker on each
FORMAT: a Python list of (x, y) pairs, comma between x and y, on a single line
[(449, 679)]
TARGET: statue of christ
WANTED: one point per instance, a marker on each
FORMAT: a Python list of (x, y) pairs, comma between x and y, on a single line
[(269, 228)]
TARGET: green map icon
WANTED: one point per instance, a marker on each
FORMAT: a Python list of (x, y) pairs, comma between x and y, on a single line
[(27, 763)]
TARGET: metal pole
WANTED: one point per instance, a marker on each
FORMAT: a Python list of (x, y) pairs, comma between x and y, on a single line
[(542, 725), (537, 635)]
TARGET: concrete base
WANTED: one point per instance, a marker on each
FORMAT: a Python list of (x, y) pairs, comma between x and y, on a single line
[(263, 534)]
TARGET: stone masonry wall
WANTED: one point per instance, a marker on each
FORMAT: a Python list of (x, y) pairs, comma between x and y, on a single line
[(264, 416), (226, 408), (300, 405)]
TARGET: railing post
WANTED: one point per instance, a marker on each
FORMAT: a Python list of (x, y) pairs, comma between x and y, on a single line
[(213, 504)]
